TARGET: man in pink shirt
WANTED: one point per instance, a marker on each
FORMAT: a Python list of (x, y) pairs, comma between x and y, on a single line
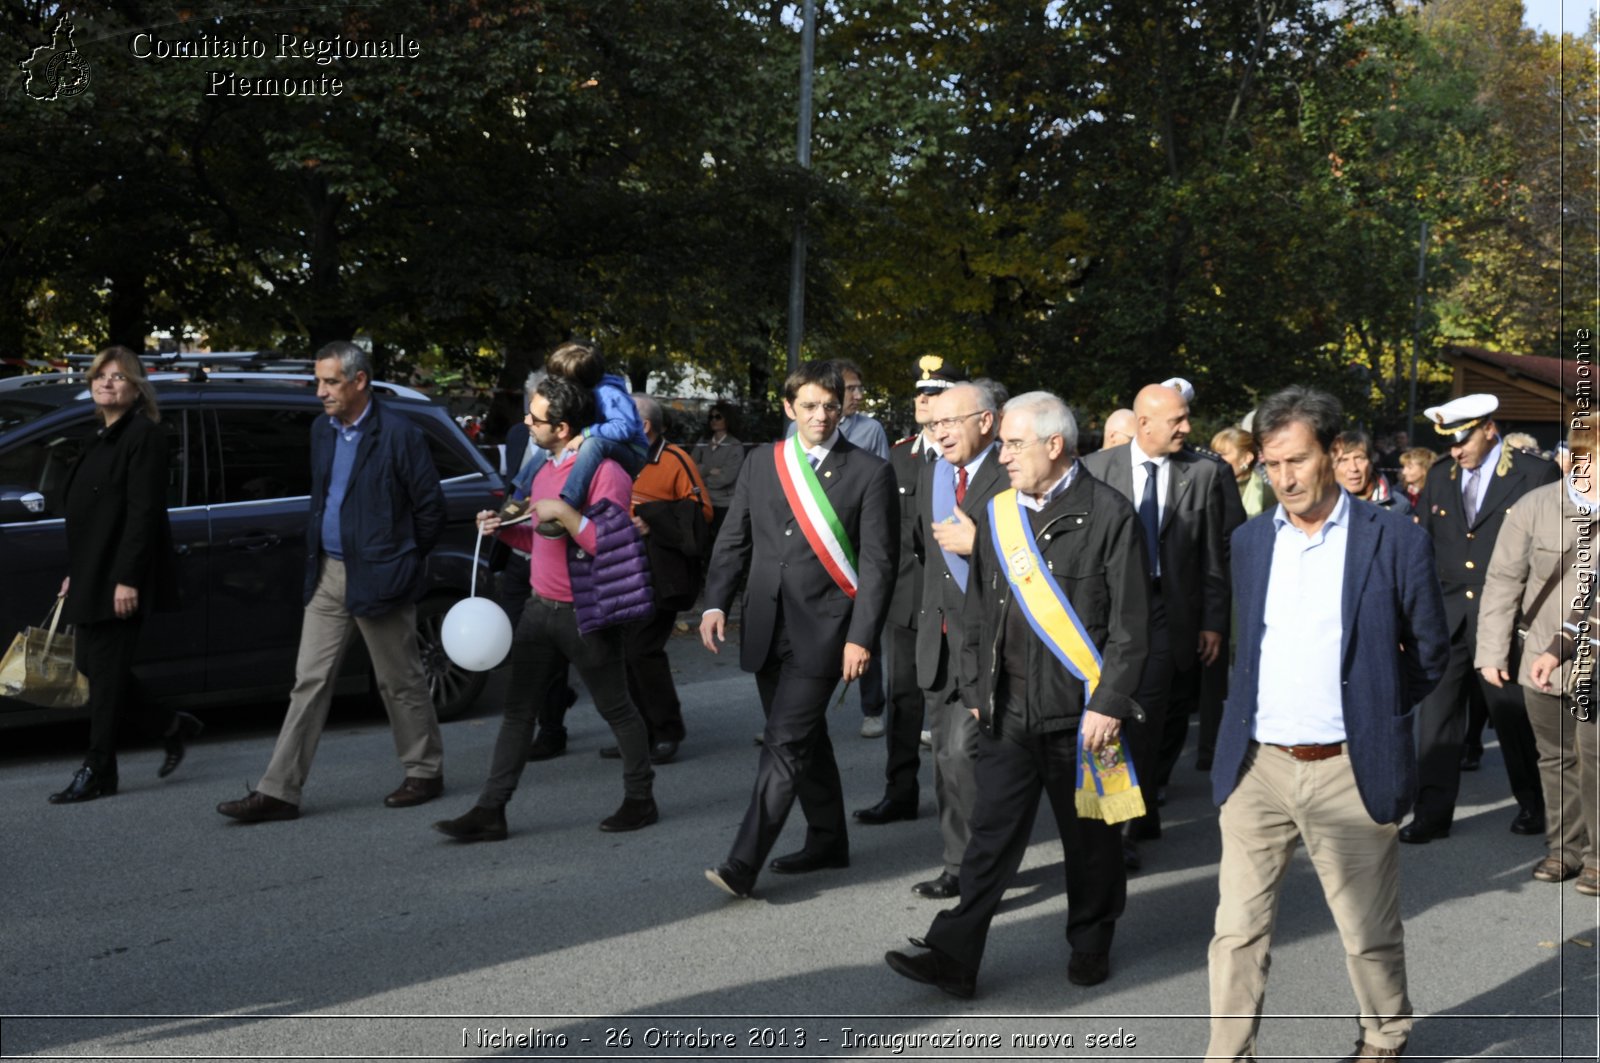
[(585, 585)]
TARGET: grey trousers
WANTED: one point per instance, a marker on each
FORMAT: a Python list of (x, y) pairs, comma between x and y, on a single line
[(1567, 778), (392, 644)]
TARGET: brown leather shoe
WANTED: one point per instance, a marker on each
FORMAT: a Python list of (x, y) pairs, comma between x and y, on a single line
[(1552, 870), (257, 807), (1366, 1053), (415, 791), (1588, 882)]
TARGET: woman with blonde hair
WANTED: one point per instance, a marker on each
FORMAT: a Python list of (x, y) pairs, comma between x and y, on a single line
[(1238, 448), (119, 565), (1414, 466)]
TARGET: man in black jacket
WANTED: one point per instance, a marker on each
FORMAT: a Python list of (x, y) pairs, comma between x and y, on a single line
[(1179, 498), (903, 727), (376, 511), (1031, 707), (1462, 506), (952, 491), (815, 519)]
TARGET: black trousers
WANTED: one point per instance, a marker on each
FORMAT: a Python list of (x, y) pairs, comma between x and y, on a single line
[(1144, 739), (796, 764), (1183, 700), (105, 655), (650, 685), (903, 724), (1441, 732), (1011, 771), (547, 641), (512, 591)]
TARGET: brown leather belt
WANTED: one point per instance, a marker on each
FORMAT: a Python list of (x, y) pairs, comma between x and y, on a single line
[(1310, 752)]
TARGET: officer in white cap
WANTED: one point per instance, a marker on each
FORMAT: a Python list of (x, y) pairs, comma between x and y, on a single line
[(1462, 505)]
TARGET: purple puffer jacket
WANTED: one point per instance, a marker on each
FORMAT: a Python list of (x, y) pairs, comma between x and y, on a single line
[(613, 586)]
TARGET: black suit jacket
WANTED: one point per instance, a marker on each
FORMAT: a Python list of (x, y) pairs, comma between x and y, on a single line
[(1194, 543), (908, 459), (944, 600), (1462, 553), (761, 531)]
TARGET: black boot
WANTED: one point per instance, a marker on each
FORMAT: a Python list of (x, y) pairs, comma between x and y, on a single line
[(86, 785)]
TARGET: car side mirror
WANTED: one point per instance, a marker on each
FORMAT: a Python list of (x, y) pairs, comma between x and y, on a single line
[(19, 505)]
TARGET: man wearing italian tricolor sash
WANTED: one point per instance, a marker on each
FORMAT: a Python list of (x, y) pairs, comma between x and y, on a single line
[(815, 520), (1053, 644)]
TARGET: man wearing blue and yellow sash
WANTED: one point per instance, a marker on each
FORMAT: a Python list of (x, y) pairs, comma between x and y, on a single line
[(1054, 641)]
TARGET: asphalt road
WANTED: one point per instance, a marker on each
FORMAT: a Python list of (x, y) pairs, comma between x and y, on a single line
[(146, 925)]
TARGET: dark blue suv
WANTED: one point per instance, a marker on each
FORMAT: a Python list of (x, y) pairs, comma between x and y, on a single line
[(238, 491)]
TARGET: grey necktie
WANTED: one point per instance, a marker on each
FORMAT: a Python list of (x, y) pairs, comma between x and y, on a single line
[(1469, 497)]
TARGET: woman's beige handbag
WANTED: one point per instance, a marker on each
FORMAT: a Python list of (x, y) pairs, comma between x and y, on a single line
[(39, 669)]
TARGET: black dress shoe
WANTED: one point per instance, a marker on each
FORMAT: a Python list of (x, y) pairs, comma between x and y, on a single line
[(939, 889), (1419, 833), (185, 728), (663, 751), (1088, 968), (1528, 821), (804, 861), (632, 814), (1131, 860), (548, 744), (480, 824), (1471, 761), (610, 753), (887, 811), (934, 968), (733, 878), (86, 785)]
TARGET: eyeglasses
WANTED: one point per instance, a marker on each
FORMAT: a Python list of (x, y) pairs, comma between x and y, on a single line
[(953, 422), (716, 417), (1017, 446), (809, 408), (111, 378), (529, 418)]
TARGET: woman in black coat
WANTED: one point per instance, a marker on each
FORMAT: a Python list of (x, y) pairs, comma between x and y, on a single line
[(119, 566)]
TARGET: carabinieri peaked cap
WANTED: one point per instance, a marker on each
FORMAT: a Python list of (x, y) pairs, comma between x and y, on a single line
[(934, 374), (1458, 417)]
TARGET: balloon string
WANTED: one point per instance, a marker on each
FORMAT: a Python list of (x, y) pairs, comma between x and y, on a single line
[(476, 548)]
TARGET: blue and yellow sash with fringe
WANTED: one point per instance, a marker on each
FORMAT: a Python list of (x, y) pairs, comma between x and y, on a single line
[(1107, 787)]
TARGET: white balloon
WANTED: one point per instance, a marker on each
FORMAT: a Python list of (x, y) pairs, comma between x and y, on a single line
[(476, 634)]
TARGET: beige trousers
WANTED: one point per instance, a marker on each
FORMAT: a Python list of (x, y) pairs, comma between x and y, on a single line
[(1279, 803), (392, 644)]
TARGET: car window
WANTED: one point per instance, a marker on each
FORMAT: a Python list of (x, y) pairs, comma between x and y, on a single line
[(42, 463), (265, 453), (446, 452)]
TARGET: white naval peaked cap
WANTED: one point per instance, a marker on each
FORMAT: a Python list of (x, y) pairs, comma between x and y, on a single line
[(1181, 386), (1458, 417)]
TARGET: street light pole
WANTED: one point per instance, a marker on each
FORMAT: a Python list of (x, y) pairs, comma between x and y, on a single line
[(797, 263), (1416, 324)]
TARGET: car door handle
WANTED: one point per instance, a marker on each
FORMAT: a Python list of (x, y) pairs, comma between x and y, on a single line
[(255, 542)]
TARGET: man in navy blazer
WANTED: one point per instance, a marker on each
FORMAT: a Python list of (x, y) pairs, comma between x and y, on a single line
[(1341, 631)]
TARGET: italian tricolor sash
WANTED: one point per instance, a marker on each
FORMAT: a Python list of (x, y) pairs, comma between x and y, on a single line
[(1107, 787), (815, 514)]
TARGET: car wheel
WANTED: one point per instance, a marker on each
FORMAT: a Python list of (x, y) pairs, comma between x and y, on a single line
[(453, 689)]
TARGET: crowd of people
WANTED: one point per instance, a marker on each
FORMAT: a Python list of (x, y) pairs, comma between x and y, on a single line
[(1047, 621)]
